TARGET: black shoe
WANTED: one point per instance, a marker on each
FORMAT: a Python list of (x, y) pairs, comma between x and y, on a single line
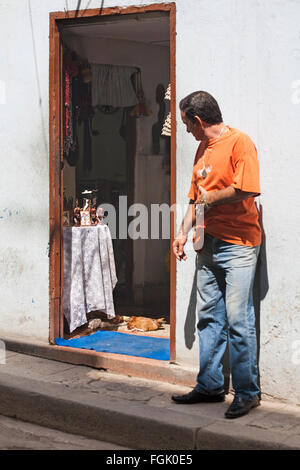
[(197, 397), (240, 407)]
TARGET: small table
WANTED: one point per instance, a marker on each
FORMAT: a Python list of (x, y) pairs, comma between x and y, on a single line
[(89, 273)]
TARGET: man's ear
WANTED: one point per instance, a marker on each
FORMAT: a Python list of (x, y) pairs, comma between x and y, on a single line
[(199, 120), (202, 123)]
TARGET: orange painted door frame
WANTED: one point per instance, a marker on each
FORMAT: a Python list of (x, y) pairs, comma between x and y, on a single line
[(56, 157)]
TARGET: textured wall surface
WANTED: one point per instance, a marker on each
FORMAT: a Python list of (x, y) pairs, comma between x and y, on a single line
[(247, 54)]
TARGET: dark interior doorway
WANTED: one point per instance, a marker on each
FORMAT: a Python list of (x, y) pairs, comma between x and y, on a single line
[(117, 152)]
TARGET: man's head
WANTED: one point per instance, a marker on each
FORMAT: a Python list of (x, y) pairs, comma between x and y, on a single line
[(200, 111)]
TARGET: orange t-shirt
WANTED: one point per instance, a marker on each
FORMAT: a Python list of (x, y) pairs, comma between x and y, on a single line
[(230, 160)]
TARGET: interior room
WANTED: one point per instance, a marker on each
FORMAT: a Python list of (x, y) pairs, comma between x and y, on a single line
[(116, 75)]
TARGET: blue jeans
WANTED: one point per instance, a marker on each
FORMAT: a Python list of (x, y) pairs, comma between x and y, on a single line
[(225, 276)]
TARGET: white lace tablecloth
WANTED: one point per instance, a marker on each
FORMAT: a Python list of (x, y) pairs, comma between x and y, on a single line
[(89, 273)]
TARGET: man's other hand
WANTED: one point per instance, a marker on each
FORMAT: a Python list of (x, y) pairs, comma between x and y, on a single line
[(178, 245)]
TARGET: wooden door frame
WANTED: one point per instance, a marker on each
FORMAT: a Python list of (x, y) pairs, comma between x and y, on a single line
[(56, 158)]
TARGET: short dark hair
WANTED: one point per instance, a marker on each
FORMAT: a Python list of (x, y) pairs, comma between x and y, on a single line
[(202, 104)]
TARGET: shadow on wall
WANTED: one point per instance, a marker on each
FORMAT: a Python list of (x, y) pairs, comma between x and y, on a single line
[(39, 92), (260, 290), (261, 282)]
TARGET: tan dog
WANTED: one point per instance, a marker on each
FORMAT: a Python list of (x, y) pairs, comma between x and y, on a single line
[(143, 323)]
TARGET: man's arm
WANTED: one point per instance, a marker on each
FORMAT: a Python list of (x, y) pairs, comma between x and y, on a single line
[(210, 199), (185, 227), (228, 195)]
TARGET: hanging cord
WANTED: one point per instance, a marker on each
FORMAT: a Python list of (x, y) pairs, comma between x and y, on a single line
[(77, 8), (101, 8), (88, 4), (35, 58), (67, 8)]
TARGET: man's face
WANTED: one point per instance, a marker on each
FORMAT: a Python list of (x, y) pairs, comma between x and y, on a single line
[(194, 128)]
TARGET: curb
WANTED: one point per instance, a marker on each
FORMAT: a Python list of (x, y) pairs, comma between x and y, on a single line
[(129, 365), (131, 425)]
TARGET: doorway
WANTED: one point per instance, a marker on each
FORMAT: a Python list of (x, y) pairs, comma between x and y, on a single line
[(115, 152)]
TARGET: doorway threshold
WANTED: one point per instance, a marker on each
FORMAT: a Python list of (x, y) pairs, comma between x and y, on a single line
[(115, 342), (152, 369)]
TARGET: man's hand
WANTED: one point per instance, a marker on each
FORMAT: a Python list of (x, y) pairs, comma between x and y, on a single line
[(204, 198), (229, 195), (178, 245)]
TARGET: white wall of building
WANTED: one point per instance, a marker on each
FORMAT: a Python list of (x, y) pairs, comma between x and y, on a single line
[(247, 54)]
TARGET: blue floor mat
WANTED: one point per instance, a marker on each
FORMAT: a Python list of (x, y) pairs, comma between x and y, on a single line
[(121, 343)]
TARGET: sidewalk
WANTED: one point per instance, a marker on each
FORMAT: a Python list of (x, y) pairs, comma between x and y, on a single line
[(133, 412)]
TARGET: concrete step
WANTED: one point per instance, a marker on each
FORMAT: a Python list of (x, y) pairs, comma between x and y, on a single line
[(134, 413), (20, 435)]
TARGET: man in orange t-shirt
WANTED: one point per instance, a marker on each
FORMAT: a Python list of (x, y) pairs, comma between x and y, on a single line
[(225, 182)]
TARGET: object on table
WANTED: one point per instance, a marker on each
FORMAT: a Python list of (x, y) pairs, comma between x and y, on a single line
[(100, 215), (76, 214), (85, 218), (143, 323), (86, 202), (94, 220)]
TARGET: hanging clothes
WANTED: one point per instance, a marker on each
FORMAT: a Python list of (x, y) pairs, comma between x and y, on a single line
[(86, 113), (112, 85), (70, 72)]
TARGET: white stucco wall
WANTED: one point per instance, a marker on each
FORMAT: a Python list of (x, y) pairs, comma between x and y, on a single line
[(24, 180), (247, 54)]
